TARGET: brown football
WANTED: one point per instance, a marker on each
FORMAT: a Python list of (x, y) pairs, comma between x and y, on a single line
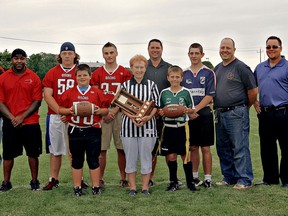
[(173, 110), (83, 109)]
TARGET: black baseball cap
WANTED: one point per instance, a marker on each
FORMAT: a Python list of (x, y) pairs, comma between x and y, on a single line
[(67, 46), (18, 52)]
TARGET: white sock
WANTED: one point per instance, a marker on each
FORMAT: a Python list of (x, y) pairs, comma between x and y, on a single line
[(207, 177), (195, 175)]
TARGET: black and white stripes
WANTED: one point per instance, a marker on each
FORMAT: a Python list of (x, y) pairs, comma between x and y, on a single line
[(146, 91)]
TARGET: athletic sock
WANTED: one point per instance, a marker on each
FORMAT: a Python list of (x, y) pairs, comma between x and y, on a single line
[(195, 175), (172, 165), (188, 172), (207, 177)]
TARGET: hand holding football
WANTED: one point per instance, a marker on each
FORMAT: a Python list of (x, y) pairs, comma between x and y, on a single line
[(83, 109), (174, 110)]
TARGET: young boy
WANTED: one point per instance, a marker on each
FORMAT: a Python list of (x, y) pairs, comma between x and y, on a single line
[(200, 80), (84, 132), (174, 140)]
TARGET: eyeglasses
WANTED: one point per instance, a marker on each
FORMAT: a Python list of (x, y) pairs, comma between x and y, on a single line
[(272, 47)]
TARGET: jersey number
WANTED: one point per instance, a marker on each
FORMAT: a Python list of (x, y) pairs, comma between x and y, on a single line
[(105, 87), (64, 84)]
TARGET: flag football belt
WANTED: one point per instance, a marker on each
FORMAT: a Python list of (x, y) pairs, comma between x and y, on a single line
[(81, 128), (177, 125)]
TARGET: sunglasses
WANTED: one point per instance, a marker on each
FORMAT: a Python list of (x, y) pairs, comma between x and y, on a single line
[(272, 47)]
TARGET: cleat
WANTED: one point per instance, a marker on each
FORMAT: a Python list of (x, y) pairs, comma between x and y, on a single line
[(145, 192), (192, 187), (96, 190), (151, 183), (197, 182), (172, 186), (6, 185), (207, 183), (123, 183), (132, 193), (52, 184), (78, 191), (35, 185)]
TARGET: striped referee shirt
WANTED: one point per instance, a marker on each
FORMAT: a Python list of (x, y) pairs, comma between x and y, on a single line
[(145, 91)]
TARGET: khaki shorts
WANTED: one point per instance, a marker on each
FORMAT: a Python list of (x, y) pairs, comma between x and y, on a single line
[(109, 129)]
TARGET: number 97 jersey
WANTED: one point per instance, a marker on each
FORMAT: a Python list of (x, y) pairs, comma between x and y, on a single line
[(110, 82), (59, 79)]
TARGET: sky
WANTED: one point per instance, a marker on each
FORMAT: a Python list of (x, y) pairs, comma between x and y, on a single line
[(43, 25)]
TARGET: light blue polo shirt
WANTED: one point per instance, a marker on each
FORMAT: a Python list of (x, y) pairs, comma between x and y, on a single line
[(272, 83)]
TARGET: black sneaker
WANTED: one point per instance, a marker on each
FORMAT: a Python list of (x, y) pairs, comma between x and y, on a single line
[(207, 183), (151, 183), (35, 185), (52, 184), (197, 182), (123, 183), (6, 185), (192, 187), (145, 192), (96, 190), (172, 186), (78, 191), (132, 193)]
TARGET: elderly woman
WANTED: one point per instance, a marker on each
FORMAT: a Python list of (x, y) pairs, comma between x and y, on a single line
[(139, 135)]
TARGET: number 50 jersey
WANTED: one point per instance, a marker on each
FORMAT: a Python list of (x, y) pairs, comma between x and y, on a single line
[(59, 79)]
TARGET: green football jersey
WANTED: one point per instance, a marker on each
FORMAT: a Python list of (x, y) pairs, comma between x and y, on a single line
[(182, 97)]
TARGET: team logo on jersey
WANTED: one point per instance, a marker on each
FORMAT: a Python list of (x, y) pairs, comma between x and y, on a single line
[(83, 97), (202, 80), (188, 81), (110, 77), (28, 81), (66, 75), (230, 76), (168, 100), (181, 101)]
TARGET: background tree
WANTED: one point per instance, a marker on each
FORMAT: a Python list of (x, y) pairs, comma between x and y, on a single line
[(208, 64), (40, 63), (5, 59)]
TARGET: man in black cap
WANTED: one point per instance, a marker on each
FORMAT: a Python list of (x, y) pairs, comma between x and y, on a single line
[(20, 99), (55, 83)]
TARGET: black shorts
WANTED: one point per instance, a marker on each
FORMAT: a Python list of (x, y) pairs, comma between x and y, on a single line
[(174, 141), (159, 125), (202, 128), (14, 139), (85, 140)]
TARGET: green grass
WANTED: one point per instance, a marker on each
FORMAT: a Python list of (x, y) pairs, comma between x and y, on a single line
[(115, 201)]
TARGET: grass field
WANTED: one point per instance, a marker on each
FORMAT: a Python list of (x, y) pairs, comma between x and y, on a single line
[(115, 201)]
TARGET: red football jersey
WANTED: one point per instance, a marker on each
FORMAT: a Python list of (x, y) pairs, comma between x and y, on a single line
[(108, 82), (74, 95), (19, 92), (59, 79)]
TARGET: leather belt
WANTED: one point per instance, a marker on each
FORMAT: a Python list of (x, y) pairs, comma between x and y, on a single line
[(175, 125), (273, 108), (225, 109)]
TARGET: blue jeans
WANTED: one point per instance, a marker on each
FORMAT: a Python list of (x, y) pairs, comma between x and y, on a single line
[(232, 143)]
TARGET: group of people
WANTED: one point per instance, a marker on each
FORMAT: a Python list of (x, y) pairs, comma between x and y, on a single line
[(230, 90)]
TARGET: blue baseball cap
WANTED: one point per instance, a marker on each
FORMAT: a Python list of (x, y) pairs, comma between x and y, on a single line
[(67, 46)]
